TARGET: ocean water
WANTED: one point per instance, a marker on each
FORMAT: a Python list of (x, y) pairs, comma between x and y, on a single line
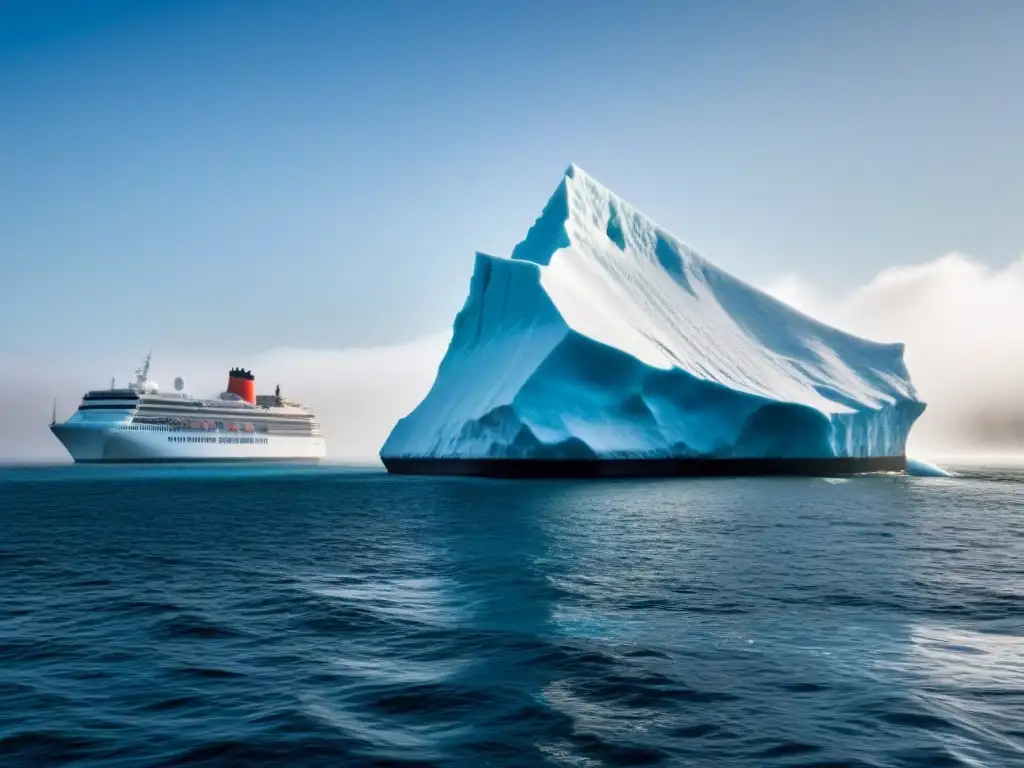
[(332, 616)]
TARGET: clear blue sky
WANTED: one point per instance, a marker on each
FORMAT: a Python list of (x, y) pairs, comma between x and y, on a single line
[(228, 177)]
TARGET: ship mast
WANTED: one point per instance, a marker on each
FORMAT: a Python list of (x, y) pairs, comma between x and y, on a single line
[(142, 372), (53, 419)]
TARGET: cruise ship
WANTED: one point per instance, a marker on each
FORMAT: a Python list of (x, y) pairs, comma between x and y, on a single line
[(140, 423)]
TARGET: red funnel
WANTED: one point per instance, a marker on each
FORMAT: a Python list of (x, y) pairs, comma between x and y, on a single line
[(243, 384)]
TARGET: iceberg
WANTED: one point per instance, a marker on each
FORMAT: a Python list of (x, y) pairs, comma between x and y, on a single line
[(605, 346)]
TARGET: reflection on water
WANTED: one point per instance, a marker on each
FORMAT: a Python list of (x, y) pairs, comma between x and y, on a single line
[(324, 616), (972, 682)]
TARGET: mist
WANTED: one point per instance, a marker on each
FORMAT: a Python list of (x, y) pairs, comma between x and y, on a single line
[(963, 326), (357, 394), (962, 323)]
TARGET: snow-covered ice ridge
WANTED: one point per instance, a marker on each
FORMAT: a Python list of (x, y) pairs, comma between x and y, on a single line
[(605, 337)]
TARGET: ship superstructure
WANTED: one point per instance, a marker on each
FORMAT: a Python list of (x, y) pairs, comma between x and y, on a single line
[(140, 423)]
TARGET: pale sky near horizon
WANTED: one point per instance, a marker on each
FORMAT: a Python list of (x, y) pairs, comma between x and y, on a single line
[(222, 178)]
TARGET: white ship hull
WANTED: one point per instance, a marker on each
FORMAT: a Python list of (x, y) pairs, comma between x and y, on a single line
[(141, 423), (92, 443)]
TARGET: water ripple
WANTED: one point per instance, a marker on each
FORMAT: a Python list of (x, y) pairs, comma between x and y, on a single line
[(335, 617)]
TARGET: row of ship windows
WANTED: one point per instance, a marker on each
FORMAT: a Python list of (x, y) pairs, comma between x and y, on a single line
[(208, 439), (282, 429)]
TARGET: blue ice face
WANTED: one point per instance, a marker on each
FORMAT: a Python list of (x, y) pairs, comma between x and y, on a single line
[(606, 337)]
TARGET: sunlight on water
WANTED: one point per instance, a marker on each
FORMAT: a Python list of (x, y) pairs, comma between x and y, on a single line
[(326, 615), (962, 675)]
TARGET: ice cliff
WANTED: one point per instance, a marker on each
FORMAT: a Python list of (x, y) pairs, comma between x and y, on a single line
[(605, 337)]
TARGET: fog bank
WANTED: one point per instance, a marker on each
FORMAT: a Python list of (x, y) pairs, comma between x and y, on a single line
[(963, 326), (962, 323)]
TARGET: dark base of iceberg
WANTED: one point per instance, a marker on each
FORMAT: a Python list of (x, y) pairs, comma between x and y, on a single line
[(568, 468)]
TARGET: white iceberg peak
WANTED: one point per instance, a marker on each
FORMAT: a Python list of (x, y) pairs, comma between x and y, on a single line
[(605, 336)]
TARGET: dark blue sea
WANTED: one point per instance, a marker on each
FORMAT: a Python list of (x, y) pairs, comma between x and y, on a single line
[(343, 617)]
